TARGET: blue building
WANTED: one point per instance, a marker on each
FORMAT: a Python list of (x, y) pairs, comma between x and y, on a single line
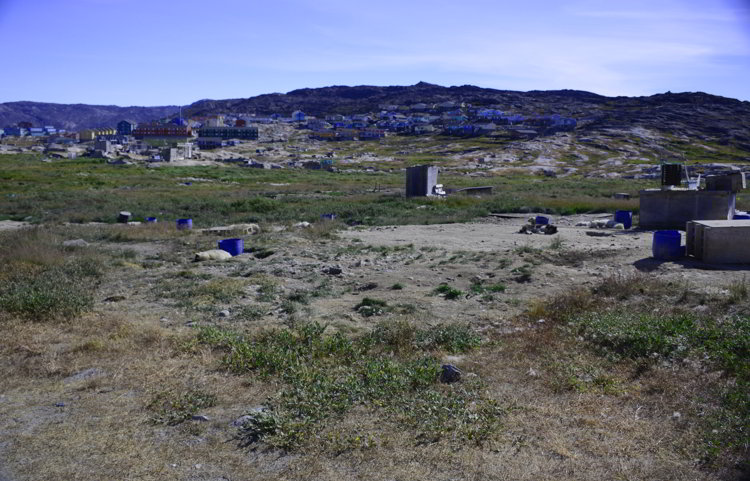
[(126, 127), (298, 116), (15, 131)]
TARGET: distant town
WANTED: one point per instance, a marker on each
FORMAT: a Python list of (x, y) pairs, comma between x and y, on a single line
[(180, 138)]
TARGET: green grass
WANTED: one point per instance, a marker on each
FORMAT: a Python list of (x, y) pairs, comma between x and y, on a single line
[(324, 377), (172, 408), (40, 295), (646, 321), (194, 292), (41, 280), (84, 190)]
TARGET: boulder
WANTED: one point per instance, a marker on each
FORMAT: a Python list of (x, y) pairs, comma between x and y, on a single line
[(213, 255), (449, 373)]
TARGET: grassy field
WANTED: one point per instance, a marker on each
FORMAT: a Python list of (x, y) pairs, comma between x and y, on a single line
[(85, 190), (121, 362)]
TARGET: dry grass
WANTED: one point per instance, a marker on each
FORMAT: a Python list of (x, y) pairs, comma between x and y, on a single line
[(570, 413)]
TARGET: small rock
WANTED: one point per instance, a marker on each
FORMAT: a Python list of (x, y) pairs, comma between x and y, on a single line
[(532, 372), (449, 374), (332, 270), (241, 420), (199, 417), (75, 243), (367, 286), (676, 415), (224, 313), (85, 374)]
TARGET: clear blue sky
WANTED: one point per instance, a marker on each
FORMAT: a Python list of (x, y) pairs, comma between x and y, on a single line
[(160, 52)]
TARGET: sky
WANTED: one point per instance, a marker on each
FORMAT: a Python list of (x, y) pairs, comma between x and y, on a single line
[(165, 52)]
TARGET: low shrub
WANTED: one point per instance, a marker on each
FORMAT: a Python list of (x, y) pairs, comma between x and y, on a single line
[(325, 376), (448, 292), (172, 408)]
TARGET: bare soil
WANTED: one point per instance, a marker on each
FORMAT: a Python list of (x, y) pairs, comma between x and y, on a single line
[(73, 395)]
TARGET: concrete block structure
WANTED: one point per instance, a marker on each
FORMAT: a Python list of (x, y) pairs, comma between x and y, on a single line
[(719, 241), (733, 182), (421, 180), (672, 209)]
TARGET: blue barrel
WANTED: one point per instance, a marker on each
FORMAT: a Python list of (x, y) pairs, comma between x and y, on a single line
[(233, 246), (328, 216), (151, 220), (666, 245), (741, 217), (541, 220), (184, 224), (624, 217)]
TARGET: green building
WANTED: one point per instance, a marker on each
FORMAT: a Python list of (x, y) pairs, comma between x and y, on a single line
[(244, 133)]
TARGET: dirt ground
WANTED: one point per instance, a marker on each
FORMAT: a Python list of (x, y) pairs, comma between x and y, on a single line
[(73, 394)]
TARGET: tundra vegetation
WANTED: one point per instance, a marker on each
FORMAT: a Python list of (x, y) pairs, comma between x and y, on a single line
[(122, 358)]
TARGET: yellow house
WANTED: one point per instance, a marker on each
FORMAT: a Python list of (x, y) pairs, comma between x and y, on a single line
[(87, 134), (92, 134)]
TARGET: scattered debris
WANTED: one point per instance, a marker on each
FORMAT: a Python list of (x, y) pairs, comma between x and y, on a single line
[(248, 229), (534, 227)]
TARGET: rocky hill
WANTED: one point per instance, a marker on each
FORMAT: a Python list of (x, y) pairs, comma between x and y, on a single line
[(698, 116), (78, 116), (678, 117)]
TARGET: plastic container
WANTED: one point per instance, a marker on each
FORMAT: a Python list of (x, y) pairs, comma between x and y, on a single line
[(624, 217), (184, 224), (666, 245), (328, 216), (124, 217), (233, 246), (151, 220), (541, 220), (741, 217)]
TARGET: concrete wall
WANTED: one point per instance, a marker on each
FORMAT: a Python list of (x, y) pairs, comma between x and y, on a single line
[(672, 209), (421, 180), (719, 241)]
